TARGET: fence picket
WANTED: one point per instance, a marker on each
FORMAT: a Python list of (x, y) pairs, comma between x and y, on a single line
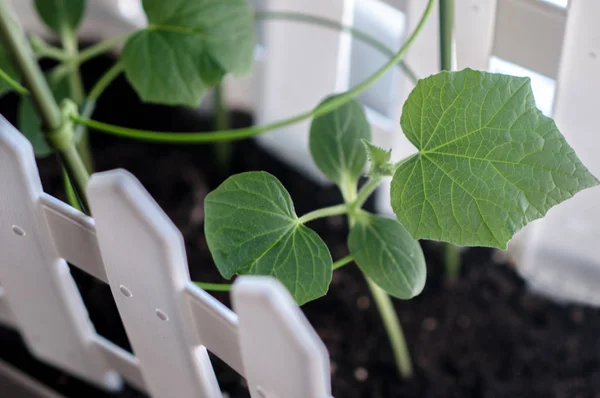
[(147, 271), (283, 355), (31, 271)]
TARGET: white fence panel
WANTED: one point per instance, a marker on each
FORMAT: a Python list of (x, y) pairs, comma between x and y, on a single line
[(559, 254), (279, 363), (171, 323), (147, 272), (37, 285), (302, 65)]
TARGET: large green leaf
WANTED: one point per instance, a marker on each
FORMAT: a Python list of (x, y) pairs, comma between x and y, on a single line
[(251, 228), (489, 161), (7, 67), (386, 253), (30, 123), (187, 47), (336, 142), (55, 13)]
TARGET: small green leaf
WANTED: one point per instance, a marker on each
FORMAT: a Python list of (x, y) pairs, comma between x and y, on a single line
[(386, 253), (56, 12), (7, 67), (379, 160), (30, 123), (188, 46), (251, 228), (489, 161), (335, 142)]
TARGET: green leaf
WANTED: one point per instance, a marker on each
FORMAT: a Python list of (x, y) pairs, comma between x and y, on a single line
[(251, 228), (30, 123), (379, 160), (7, 67), (335, 142), (386, 253), (489, 161), (188, 46), (56, 12)]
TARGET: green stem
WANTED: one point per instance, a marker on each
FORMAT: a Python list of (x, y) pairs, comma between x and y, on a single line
[(342, 261), (33, 77), (71, 48), (215, 287), (382, 299), (78, 172), (13, 83), (324, 212), (105, 81), (332, 24), (57, 126), (69, 43), (452, 261), (446, 8), (348, 188), (72, 198), (88, 106), (85, 55), (393, 329), (53, 53), (364, 193), (223, 150), (237, 134)]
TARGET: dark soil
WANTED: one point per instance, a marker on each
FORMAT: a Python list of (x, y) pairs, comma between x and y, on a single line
[(484, 335)]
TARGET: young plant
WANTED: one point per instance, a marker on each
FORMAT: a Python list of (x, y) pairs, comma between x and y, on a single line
[(488, 162)]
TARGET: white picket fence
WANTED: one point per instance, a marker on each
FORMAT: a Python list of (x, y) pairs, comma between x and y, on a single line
[(171, 323)]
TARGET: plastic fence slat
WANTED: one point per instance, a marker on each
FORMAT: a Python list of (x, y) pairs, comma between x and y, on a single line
[(37, 283), (283, 355), (145, 262), (74, 236)]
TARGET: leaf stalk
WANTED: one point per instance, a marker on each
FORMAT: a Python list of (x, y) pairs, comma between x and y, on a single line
[(324, 212)]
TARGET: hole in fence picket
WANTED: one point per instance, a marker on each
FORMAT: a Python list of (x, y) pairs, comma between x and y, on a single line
[(162, 315), (18, 230), (125, 290)]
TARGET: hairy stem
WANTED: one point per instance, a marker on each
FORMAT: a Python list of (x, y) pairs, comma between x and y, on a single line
[(393, 329), (237, 134), (53, 119), (364, 193), (324, 212), (382, 299), (69, 43)]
